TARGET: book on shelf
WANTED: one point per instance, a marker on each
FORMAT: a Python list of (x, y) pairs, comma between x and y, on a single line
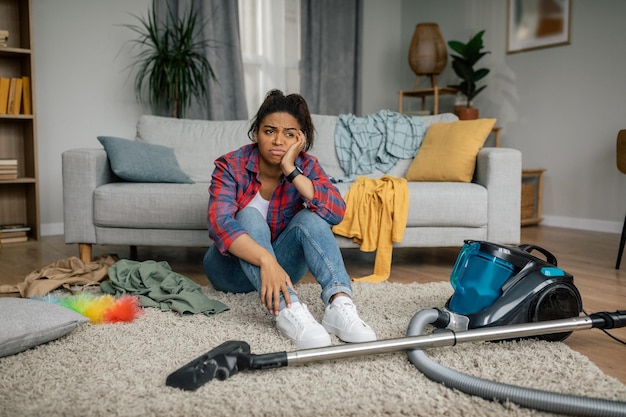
[(4, 235), (15, 227), (8, 169), (4, 94), (15, 107), (13, 233), (17, 239), (4, 37), (11, 95), (15, 95), (27, 102)]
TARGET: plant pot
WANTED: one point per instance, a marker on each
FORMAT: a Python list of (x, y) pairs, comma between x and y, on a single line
[(466, 113)]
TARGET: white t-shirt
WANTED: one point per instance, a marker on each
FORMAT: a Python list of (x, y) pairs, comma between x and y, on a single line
[(260, 204)]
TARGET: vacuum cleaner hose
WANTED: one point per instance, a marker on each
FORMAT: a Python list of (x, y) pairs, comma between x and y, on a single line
[(525, 397)]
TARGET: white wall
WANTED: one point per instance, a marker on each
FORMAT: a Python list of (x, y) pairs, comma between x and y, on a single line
[(83, 87), (384, 55), (562, 106)]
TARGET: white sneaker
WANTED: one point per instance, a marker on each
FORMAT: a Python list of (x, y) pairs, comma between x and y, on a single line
[(342, 320), (298, 325)]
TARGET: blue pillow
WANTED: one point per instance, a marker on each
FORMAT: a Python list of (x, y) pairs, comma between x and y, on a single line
[(143, 162)]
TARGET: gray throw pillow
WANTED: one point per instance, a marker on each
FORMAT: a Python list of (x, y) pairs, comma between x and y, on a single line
[(26, 323), (143, 162)]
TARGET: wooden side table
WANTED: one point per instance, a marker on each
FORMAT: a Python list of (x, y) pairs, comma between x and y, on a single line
[(422, 93), (496, 131), (532, 193), (435, 92)]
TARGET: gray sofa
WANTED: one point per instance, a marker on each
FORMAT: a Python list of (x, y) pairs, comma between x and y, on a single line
[(101, 209)]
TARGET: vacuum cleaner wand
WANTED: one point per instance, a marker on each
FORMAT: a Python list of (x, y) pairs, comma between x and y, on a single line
[(233, 356)]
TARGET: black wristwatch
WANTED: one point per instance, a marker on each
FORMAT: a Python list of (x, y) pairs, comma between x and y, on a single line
[(293, 174)]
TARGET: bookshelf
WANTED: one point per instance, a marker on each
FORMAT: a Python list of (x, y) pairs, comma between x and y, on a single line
[(19, 197)]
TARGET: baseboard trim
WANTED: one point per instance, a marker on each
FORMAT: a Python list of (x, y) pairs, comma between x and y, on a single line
[(583, 224)]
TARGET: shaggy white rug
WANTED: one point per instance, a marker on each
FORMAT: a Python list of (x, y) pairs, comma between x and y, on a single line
[(120, 369)]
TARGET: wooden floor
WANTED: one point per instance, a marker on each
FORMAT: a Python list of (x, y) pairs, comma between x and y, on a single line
[(589, 256)]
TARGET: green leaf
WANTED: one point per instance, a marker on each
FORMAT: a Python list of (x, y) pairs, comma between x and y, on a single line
[(463, 65), (480, 74), (457, 46)]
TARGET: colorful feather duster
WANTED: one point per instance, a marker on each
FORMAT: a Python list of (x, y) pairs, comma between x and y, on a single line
[(103, 308)]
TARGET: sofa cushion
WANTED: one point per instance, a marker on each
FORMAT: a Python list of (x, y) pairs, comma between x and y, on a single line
[(324, 144), (151, 206), (435, 204), (184, 206), (196, 143), (449, 150), (142, 162), (27, 323)]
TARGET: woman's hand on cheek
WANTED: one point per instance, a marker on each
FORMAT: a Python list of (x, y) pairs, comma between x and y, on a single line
[(289, 159)]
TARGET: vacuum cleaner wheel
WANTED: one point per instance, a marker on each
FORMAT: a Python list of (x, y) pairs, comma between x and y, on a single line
[(556, 302)]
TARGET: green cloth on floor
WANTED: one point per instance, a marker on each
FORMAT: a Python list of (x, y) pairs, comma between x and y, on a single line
[(157, 285)]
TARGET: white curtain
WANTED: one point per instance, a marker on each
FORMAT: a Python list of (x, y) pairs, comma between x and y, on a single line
[(270, 47)]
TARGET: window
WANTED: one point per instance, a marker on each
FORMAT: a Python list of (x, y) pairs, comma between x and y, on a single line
[(270, 47)]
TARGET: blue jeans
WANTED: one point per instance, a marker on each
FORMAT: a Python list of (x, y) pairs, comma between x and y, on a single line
[(306, 243)]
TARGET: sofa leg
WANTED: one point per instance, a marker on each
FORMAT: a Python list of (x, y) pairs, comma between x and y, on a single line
[(84, 251)]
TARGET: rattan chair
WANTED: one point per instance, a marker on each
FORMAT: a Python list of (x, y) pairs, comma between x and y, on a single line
[(621, 165)]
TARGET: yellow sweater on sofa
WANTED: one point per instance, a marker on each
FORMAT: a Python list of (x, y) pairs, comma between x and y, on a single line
[(376, 215)]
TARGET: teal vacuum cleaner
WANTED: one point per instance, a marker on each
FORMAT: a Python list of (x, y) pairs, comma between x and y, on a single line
[(500, 293), (495, 285)]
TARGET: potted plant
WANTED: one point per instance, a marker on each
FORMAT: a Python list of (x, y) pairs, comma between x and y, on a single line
[(463, 65), (171, 62)]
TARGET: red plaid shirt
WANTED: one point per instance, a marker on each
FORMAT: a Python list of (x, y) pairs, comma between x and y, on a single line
[(235, 182)]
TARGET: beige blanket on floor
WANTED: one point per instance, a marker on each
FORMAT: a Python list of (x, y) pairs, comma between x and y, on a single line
[(64, 273)]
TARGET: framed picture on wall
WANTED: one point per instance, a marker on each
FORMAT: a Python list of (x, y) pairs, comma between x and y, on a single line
[(534, 24)]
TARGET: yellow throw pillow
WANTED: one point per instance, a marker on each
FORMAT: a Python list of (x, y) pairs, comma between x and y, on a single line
[(448, 151)]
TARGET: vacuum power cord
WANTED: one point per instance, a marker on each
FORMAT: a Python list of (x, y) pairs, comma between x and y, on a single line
[(613, 321)]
